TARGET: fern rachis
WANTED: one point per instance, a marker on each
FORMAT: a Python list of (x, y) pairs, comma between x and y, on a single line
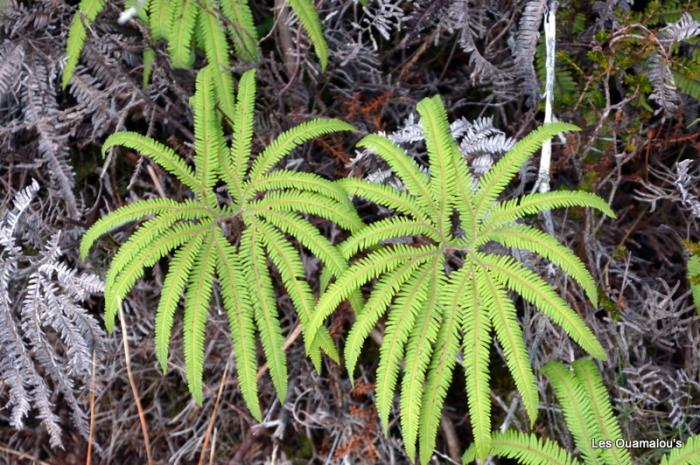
[(445, 309), (229, 243)]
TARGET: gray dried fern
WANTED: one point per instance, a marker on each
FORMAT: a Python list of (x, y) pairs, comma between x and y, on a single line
[(47, 338)]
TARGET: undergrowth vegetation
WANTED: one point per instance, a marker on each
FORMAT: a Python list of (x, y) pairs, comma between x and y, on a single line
[(396, 231)]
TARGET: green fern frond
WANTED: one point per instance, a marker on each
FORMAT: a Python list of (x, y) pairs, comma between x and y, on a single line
[(159, 18), (526, 449), (386, 197), (511, 210), (439, 142), (312, 204), (528, 238), (419, 350), (409, 301), (464, 194), (291, 269), (137, 211), (231, 242), (456, 218), (373, 235), (293, 138), (217, 51), (589, 417), (239, 310), (208, 134), (309, 182), (159, 153), (438, 379), (577, 410), (182, 29), (496, 179), (306, 12), (149, 59), (242, 29), (199, 291), (687, 84), (265, 306), (243, 121), (477, 340), (505, 321), (86, 14), (384, 291), (143, 238), (178, 276), (375, 264), (597, 397), (693, 272), (132, 272), (689, 454), (309, 237), (405, 168), (536, 291)]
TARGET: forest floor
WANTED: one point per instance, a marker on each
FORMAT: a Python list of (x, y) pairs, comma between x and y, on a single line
[(638, 149)]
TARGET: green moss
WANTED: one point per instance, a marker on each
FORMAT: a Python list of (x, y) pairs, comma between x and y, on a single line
[(300, 450)]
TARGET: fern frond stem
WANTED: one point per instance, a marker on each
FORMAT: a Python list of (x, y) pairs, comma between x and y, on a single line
[(214, 413), (134, 389)]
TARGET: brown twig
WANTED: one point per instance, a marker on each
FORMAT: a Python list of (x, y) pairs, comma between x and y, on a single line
[(212, 420), (156, 181), (91, 432), (451, 439), (23, 455), (134, 390)]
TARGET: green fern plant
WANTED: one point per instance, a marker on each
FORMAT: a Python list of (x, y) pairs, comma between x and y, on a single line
[(693, 271), (589, 416), (229, 242), (186, 24), (447, 290)]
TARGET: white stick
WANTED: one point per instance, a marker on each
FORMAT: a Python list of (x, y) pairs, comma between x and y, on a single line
[(130, 12), (542, 183)]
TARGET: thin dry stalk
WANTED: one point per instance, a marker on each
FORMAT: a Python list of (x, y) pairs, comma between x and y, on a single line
[(134, 390), (215, 411), (88, 459)]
